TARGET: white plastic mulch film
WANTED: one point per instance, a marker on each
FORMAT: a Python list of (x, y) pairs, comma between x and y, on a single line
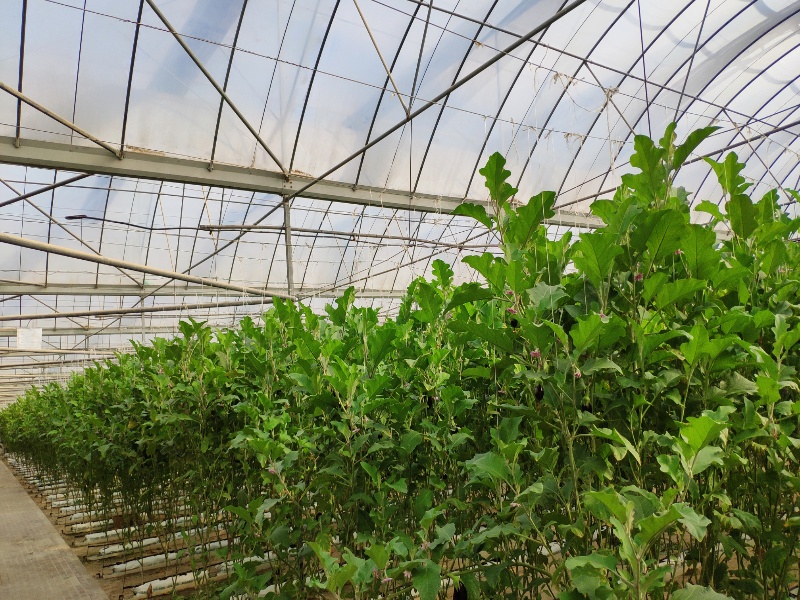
[(307, 87)]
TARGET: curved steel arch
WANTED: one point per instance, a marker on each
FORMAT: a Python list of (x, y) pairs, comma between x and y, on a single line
[(738, 54), (430, 139), (641, 57), (510, 89), (650, 101), (716, 75), (770, 99), (378, 104), (740, 91), (225, 84), (447, 98), (564, 93), (311, 83)]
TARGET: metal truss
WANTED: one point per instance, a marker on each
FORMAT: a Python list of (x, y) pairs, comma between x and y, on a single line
[(159, 167)]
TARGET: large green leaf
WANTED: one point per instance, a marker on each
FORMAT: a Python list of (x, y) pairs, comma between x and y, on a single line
[(693, 140), (652, 526), (680, 290), (696, 592), (546, 298), (427, 580), (489, 465), (472, 586), (773, 258), (591, 582), (443, 274), (484, 332), (474, 211), (702, 260), (728, 278), (729, 175), (429, 301), (650, 184), (594, 365), (343, 303), (742, 215), (705, 457), (708, 207), (592, 332), (697, 345), (595, 559), (664, 231), (496, 175), (695, 523), (594, 256), (605, 504), (468, 292), (785, 338), (701, 431), (617, 215), (488, 265), (523, 225)]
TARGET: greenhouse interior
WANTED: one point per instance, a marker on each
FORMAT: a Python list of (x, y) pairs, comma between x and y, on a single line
[(399, 299)]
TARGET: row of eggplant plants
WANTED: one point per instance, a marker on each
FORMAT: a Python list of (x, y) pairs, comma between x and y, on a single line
[(615, 416)]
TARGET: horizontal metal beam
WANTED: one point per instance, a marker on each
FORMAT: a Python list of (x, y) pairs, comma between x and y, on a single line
[(172, 291), (56, 351), (11, 332), (130, 266), (47, 364), (139, 163), (56, 289), (137, 310), (18, 378)]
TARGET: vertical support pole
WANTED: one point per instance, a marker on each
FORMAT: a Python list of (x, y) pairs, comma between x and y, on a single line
[(287, 234), (141, 302), (21, 69)]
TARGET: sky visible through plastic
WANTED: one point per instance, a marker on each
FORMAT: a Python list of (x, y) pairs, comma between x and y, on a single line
[(306, 77)]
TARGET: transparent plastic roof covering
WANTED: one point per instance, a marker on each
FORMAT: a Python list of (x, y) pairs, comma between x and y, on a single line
[(193, 118)]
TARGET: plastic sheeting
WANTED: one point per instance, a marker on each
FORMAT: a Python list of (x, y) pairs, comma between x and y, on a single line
[(304, 74)]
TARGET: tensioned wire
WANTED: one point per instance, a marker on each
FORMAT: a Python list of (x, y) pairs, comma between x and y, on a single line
[(300, 66), (448, 237), (352, 80), (212, 42)]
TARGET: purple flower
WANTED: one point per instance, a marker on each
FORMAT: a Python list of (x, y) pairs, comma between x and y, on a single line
[(407, 574), (509, 293), (536, 354), (386, 580), (376, 574), (272, 471), (425, 545), (577, 374), (678, 251), (638, 277), (511, 310)]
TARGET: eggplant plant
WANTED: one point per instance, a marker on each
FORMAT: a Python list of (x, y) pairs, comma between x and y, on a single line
[(612, 416)]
